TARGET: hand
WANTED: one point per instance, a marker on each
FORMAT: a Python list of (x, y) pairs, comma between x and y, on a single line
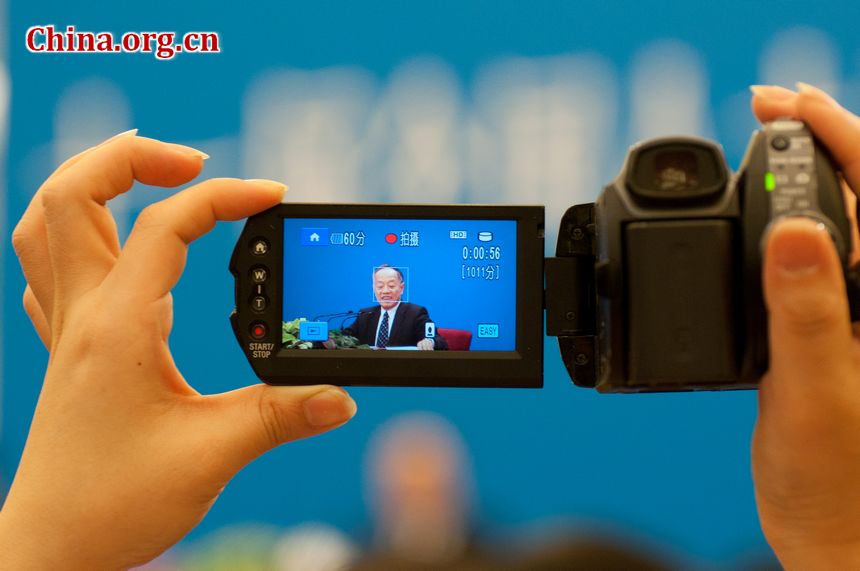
[(806, 448), (124, 457), (426, 345)]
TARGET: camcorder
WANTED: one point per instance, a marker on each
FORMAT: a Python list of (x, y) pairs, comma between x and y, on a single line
[(656, 286)]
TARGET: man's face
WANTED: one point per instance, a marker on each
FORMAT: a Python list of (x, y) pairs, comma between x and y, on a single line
[(388, 287)]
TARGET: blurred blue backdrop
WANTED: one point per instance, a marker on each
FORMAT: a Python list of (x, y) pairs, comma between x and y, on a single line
[(466, 101)]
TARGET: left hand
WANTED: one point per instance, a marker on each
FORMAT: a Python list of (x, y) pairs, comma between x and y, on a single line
[(426, 345), (124, 457)]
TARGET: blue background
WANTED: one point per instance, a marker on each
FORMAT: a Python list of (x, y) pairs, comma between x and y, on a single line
[(547, 95), (336, 278)]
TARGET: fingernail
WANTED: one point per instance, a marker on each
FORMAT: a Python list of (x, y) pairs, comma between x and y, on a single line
[(817, 93), (796, 246), (773, 92), (332, 406), (129, 133), (276, 187), (190, 151)]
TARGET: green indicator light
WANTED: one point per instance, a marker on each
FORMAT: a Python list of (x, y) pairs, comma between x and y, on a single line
[(769, 181)]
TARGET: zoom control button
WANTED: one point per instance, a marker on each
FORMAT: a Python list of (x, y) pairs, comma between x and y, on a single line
[(258, 330), (780, 143), (259, 303), (259, 274)]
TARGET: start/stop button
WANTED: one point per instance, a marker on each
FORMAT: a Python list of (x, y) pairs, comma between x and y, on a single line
[(258, 330)]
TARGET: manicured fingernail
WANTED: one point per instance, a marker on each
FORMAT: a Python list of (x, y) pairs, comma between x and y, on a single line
[(129, 133), (276, 187), (815, 92), (332, 406), (190, 151), (797, 247), (773, 92)]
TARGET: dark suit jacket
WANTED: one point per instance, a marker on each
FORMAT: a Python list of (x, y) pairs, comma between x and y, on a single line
[(409, 321)]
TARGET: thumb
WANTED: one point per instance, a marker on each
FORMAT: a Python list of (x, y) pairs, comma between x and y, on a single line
[(255, 419), (809, 322)]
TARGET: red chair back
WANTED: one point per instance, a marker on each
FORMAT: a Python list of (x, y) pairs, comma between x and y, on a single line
[(458, 339)]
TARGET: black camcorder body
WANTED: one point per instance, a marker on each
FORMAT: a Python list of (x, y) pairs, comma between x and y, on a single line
[(656, 286), (668, 261)]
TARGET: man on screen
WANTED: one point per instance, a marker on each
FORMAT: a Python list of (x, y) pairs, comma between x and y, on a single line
[(393, 323)]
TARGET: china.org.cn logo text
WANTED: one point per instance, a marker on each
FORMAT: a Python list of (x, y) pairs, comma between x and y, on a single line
[(164, 45)]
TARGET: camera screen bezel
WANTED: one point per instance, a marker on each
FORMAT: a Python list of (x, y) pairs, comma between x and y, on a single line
[(522, 367)]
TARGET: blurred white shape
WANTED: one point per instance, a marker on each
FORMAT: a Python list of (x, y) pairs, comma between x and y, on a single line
[(314, 547), (5, 92), (242, 547), (87, 113), (506, 139), (669, 92), (304, 128), (582, 110), (537, 131), (801, 54), (425, 112), (541, 132)]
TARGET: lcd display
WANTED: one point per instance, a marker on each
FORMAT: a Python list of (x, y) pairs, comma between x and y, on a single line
[(399, 284)]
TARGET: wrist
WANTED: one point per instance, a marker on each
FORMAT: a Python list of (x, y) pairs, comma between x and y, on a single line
[(17, 549), (26, 544)]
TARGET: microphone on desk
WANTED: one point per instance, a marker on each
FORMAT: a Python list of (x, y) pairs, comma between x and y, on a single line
[(330, 316), (327, 317)]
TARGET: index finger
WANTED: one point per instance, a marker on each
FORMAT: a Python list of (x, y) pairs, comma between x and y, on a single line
[(30, 238), (836, 127), (81, 234)]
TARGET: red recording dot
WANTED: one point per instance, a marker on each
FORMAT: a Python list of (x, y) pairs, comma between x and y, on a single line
[(391, 238), (258, 330)]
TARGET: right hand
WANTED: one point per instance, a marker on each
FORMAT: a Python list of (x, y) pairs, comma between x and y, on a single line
[(124, 457), (806, 446)]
